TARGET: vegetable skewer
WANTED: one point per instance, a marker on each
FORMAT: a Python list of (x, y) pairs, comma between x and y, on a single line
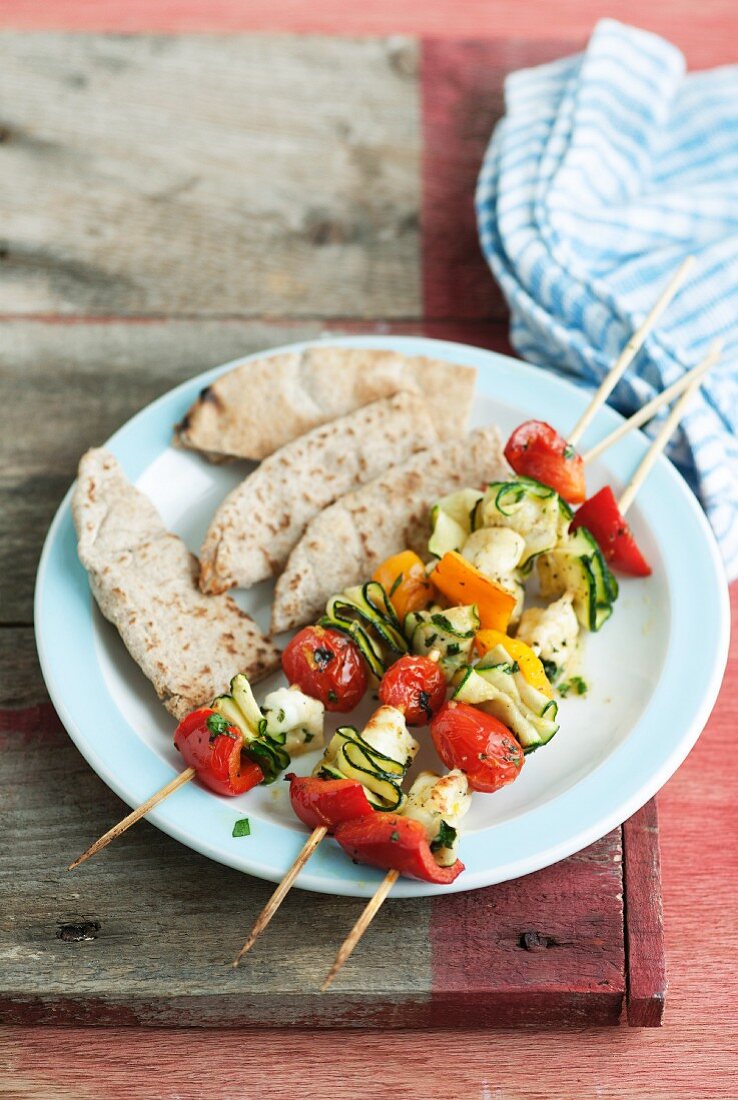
[(604, 517), (233, 746), (536, 450), (375, 903), (415, 714)]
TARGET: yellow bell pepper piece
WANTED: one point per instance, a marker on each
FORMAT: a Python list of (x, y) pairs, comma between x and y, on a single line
[(530, 665), (463, 584), (405, 581)]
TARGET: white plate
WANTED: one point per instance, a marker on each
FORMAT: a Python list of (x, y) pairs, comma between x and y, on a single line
[(654, 670)]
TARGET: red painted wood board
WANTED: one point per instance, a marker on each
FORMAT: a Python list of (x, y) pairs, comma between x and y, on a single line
[(644, 918), (462, 89), (695, 28)]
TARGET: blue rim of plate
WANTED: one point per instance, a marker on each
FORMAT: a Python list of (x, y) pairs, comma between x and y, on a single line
[(623, 782)]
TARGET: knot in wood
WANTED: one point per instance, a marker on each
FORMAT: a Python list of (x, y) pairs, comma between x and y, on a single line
[(536, 941), (82, 930)]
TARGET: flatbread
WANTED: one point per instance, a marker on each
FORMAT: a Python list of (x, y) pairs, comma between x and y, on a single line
[(259, 406), (258, 524), (346, 542), (145, 582)]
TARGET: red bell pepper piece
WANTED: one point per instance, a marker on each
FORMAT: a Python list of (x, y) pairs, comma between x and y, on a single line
[(536, 450), (327, 801), (215, 750), (603, 519), (391, 841)]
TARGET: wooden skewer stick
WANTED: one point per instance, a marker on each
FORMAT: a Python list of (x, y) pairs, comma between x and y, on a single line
[(687, 386), (135, 815), (366, 918), (666, 431), (625, 502), (648, 410), (285, 885), (629, 352), (282, 890)]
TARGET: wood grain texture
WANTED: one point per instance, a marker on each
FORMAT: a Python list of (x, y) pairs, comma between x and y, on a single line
[(144, 934), (644, 919), (208, 175), (560, 965), (147, 931)]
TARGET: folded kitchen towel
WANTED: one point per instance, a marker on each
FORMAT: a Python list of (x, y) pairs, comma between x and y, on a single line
[(607, 169)]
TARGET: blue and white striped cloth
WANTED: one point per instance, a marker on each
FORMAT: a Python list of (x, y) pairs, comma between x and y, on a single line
[(607, 170)]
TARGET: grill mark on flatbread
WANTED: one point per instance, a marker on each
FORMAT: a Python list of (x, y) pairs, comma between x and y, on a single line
[(257, 525), (144, 580), (345, 543), (261, 405)]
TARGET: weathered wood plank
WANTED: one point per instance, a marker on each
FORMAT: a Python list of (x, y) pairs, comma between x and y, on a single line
[(644, 919), (535, 950), (21, 684), (145, 931), (209, 175)]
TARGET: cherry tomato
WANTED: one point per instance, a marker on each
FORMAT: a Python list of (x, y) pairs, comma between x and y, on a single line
[(480, 745), (217, 756), (391, 841), (602, 518), (536, 450), (326, 665), (327, 801), (416, 686)]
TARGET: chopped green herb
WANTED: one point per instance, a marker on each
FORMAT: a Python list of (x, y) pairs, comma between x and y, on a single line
[(453, 649), (569, 451), (397, 582), (446, 837), (332, 697), (576, 685), (242, 827), (218, 727), (441, 621), (550, 668), (280, 716), (308, 737), (394, 835)]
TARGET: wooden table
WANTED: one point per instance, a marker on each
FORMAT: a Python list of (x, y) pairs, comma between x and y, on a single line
[(175, 199)]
